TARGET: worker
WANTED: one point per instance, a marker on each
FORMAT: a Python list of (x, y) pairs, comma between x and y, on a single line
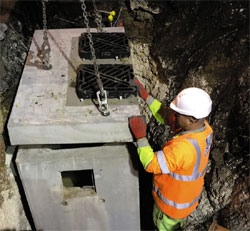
[(179, 168)]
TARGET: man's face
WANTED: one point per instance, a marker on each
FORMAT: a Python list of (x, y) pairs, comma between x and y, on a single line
[(182, 121)]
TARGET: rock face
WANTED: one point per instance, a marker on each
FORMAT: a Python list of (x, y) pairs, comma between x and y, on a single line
[(12, 216), (204, 44), (174, 45), (14, 47)]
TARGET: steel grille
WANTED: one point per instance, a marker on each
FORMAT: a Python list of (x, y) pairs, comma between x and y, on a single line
[(106, 45), (115, 79)]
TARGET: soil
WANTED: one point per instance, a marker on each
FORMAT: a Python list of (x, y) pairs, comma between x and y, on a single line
[(174, 45)]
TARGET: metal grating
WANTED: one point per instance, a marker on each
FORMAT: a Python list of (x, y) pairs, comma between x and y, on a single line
[(115, 79), (106, 45)]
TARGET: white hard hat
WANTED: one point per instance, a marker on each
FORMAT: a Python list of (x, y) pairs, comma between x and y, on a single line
[(192, 102)]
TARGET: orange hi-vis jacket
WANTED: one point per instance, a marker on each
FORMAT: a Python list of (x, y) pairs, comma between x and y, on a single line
[(179, 168)]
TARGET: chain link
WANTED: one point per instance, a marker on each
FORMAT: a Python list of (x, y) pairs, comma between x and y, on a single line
[(45, 46), (98, 17), (103, 106), (91, 45)]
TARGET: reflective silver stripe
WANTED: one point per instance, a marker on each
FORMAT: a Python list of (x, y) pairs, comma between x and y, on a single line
[(198, 159), (150, 100), (162, 162), (181, 177), (174, 204), (195, 174), (188, 178), (142, 143)]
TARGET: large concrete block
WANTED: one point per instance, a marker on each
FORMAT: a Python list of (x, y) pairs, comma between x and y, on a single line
[(91, 188), (46, 109)]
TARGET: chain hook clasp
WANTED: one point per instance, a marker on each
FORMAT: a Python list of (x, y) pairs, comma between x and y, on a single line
[(103, 103), (101, 94)]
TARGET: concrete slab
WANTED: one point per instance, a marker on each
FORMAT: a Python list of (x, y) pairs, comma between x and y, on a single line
[(113, 206), (46, 109)]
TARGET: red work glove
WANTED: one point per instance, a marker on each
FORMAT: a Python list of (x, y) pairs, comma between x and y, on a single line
[(142, 91), (138, 126)]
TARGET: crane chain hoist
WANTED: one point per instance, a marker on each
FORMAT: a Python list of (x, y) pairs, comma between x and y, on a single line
[(98, 18), (101, 94), (45, 46)]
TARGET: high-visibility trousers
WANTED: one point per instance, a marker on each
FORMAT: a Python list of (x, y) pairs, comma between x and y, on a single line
[(163, 222)]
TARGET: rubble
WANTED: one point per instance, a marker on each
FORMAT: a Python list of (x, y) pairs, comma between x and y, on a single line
[(173, 45)]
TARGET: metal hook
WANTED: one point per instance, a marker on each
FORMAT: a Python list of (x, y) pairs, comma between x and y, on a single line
[(103, 103)]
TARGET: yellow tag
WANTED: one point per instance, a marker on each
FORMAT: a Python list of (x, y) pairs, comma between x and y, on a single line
[(112, 13), (110, 17)]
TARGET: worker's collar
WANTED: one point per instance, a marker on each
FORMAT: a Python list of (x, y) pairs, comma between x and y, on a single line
[(195, 130)]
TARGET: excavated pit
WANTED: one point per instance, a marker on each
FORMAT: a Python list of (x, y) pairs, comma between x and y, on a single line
[(173, 45)]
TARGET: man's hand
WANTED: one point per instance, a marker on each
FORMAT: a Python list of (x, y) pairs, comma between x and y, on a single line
[(142, 91), (138, 126)]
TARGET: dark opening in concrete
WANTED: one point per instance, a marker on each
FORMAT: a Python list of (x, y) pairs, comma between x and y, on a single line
[(79, 178)]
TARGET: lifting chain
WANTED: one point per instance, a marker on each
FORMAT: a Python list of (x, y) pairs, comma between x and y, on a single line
[(102, 94), (98, 18), (45, 46)]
